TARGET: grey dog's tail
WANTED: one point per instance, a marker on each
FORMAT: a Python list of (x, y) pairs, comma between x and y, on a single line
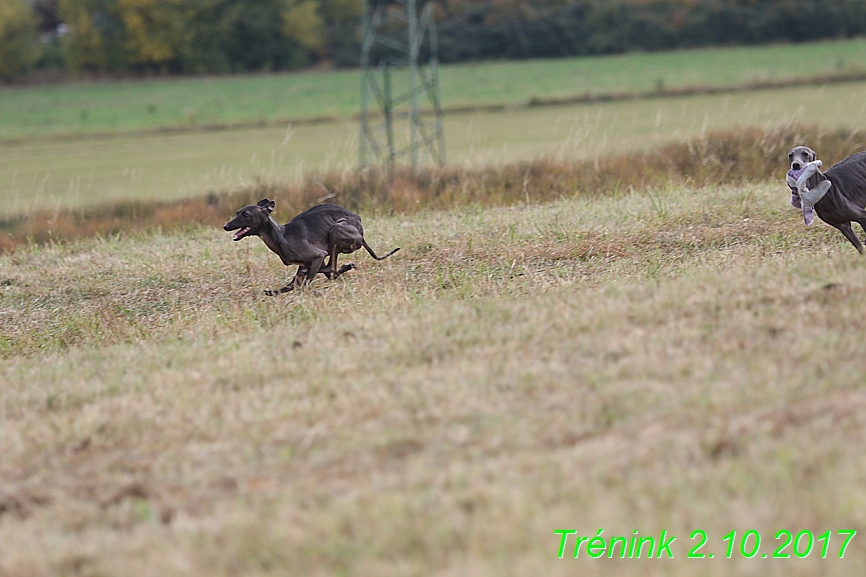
[(373, 254)]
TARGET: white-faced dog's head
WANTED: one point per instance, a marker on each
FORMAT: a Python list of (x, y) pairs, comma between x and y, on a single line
[(800, 156)]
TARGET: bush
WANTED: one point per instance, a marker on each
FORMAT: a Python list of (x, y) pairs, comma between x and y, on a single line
[(20, 48)]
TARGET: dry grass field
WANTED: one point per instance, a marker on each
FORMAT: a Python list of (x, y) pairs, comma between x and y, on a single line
[(587, 327), (678, 359)]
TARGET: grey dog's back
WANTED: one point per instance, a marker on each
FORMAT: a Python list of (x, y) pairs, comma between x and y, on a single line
[(314, 224)]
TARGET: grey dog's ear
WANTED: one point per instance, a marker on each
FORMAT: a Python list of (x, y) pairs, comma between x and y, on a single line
[(267, 204)]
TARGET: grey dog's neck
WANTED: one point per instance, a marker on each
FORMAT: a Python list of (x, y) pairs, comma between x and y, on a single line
[(273, 235)]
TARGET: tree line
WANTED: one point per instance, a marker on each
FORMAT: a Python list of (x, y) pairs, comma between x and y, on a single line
[(224, 36)]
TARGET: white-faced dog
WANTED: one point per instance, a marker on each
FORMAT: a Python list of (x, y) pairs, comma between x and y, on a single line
[(837, 196)]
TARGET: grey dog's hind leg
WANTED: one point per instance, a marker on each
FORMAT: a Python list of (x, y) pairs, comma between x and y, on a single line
[(343, 237), (344, 269), (332, 261), (331, 275)]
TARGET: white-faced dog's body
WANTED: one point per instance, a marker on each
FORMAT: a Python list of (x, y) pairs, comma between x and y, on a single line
[(838, 195)]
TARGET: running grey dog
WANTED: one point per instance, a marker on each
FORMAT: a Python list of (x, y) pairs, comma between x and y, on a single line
[(837, 195), (326, 230)]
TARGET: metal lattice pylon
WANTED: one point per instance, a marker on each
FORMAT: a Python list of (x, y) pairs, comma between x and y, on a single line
[(393, 35)]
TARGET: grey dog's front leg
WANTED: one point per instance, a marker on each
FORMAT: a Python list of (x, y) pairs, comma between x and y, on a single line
[(850, 235), (314, 268), (297, 279), (285, 289), (303, 272)]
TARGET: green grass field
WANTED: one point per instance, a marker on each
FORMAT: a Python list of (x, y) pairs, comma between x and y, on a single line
[(681, 360), (62, 174), (124, 106)]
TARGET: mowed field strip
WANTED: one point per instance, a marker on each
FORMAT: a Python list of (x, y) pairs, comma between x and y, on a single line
[(680, 360), (69, 173), (123, 106)]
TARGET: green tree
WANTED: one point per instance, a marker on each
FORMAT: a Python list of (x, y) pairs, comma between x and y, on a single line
[(303, 24), (246, 35), (19, 38), (342, 11), (342, 19), (156, 32), (94, 38)]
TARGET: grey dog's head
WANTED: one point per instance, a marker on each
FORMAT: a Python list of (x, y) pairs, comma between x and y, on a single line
[(800, 156), (250, 219)]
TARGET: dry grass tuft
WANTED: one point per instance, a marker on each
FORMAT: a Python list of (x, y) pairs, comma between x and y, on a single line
[(735, 156)]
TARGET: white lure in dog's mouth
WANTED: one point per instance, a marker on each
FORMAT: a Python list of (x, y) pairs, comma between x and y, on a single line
[(240, 233), (801, 196)]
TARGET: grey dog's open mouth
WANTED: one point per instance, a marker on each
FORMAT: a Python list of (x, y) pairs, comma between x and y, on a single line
[(241, 233)]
